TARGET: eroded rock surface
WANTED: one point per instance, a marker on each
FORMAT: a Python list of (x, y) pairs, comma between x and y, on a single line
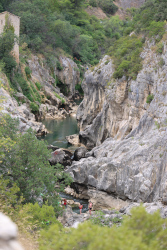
[(69, 75), (130, 135)]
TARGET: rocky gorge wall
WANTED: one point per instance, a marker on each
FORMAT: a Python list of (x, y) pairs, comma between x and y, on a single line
[(129, 160), (51, 106)]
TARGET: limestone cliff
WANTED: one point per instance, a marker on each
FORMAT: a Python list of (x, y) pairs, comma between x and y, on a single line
[(130, 135), (19, 106)]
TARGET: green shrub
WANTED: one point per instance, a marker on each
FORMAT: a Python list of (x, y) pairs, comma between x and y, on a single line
[(34, 107), (79, 88), (150, 98), (10, 63), (58, 66), (139, 231), (39, 217), (160, 48), (59, 97), (38, 85), (156, 29), (18, 79), (28, 72), (126, 54)]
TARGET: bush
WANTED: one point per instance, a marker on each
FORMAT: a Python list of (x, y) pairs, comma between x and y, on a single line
[(34, 107), (58, 66), (18, 79), (38, 85), (39, 217), (126, 54), (28, 72), (10, 63), (160, 48), (140, 231), (150, 98)]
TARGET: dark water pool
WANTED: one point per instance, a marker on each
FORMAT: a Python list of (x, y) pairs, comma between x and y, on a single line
[(58, 130)]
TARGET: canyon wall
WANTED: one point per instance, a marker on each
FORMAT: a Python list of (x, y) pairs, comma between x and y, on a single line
[(129, 160)]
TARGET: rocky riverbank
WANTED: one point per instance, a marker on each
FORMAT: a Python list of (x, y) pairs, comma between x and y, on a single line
[(106, 217)]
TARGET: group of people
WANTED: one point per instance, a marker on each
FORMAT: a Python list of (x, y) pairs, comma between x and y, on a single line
[(90, 206)]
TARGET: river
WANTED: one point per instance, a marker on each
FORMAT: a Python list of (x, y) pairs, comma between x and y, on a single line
[(58, 130)]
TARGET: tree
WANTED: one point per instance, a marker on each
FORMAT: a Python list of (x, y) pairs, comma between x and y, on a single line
[(26, 164)]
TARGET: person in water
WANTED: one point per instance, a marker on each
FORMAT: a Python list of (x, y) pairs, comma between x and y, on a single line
[(80, 208), (90, 207)]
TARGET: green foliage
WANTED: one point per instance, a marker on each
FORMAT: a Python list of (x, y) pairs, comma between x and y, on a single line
[(8, 196), (47, 25), (8, 129), (126, 53), (79, 88), (6, 45), (140, 231), (18, 79), (25, 162), (39, 217), (58, 66), (59, 97), (156, 29), (28, 72), (160, 48), (106, 5), (150, 98), (34, 107), (38, 85), (101, 220)]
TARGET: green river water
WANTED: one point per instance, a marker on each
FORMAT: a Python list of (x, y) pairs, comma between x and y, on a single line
[(58, 130)]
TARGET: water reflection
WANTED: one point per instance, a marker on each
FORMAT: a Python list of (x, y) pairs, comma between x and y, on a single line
[(59, 129)]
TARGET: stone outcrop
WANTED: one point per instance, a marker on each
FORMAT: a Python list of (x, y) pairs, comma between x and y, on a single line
[(69, 75), (130, 135), (26, 119), (8, 234), (62, 156), (73, 139)]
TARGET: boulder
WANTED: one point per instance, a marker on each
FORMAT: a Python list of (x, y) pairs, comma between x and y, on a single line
[(69, 218), (73, 139), (8, 234), (62, 156), (80, 153)]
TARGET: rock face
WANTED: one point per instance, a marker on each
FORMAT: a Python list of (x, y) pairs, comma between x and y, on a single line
[(26, 118), (69, 75), (130, 3), (130, 135), (8, 234)]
